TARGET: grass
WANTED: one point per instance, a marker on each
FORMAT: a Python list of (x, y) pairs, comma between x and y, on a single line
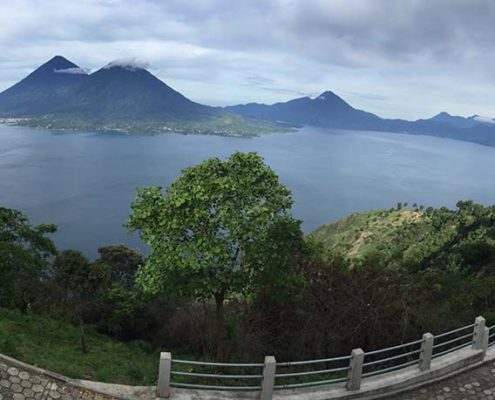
[(54, 345), (359, 233)]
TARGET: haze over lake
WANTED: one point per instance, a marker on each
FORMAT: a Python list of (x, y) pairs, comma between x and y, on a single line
[(84, 182)]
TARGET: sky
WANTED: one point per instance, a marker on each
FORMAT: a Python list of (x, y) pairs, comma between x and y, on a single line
[(397, 58)]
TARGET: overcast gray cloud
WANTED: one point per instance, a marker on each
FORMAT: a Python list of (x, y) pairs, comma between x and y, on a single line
[(407, 58)]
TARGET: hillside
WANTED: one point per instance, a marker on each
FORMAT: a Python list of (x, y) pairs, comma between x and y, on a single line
[(54, 345), (359, 233)]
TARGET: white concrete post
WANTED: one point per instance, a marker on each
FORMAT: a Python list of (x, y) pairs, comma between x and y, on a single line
[(355, 373), (268, 378), (163, 387), (486, 337), (426, 352), (478, 333)]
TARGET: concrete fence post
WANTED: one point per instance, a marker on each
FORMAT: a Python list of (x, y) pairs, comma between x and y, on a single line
[(163, 387), (426, 352), (355, 373), (478, 333), (268, 378), (486, 337)]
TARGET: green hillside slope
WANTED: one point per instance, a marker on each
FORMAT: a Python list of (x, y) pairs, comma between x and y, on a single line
[(359, 233), (54, 345)]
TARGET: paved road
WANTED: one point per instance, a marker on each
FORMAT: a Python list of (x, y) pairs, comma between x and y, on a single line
[(478, 383)]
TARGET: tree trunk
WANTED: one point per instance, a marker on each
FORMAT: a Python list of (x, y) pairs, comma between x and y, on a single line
[(219, 328), (82, 336)]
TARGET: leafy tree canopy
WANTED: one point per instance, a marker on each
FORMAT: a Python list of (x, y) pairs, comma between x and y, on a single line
[(222, 227), (123, 262), (24, 254), (83, 284)]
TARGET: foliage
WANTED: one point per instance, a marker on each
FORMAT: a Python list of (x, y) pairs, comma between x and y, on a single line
[(358, 234), (123, 263), (230, 272), (121, 302), (83, 284), (216, 232), (52, 344), (447, 256), (25, 251)]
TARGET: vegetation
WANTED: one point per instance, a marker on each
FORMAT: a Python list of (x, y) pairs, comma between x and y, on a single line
[(223, 228), (24, 254), (81, 284), (223, 125), (53, 344), (357, 235), (230, 277)]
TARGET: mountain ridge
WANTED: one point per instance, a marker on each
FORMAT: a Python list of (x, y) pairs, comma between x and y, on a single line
[(330, 111), (124, 96), (48, 84), (111, 91), (120, 97)]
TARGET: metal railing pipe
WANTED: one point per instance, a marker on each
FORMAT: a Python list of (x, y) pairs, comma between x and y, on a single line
[(215, 376), (307, 362), (480, 339), (305, 373), (399, 346), (470, 335), (440, 335), (398, 356), (217, 364)]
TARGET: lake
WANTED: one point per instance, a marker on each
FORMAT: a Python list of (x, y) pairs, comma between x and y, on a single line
[(84, 182)]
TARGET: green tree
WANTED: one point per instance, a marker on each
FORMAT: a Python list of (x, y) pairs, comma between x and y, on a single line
[(123, 262), (83, 285), (218, 232), (24, 256), (121, 301)]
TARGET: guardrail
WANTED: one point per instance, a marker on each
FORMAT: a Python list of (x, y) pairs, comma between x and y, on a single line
[(351, 369)]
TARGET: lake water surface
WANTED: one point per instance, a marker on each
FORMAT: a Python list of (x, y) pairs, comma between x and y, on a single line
[(84, 182)]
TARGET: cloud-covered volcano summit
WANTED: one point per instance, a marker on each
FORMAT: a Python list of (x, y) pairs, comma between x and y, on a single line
[(123, 90)]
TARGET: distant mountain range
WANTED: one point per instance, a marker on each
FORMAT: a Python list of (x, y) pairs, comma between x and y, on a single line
[(125, 97), (121, 96), (462, 122), (330, 111), (327, 110)]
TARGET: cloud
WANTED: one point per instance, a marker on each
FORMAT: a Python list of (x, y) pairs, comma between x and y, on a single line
[(131, 64), (484, 120), (409, 58), (72, 71)]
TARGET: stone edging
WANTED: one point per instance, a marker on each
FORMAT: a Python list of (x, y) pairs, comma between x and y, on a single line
[(54, 381)]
